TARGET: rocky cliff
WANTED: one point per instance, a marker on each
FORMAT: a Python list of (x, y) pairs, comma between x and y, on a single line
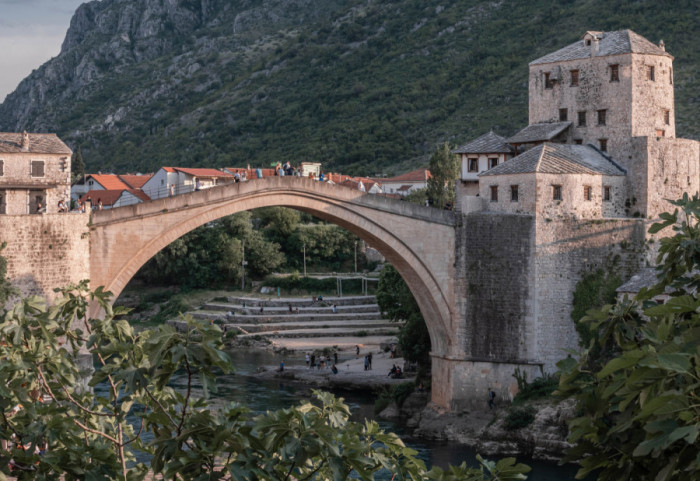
[(357, 84)]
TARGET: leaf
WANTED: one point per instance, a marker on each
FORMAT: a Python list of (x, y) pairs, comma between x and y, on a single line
[(674, 362)]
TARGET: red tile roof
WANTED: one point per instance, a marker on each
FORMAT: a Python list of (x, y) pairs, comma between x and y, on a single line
[(109, 181), (196, 172), (135, 181), (420, 175)]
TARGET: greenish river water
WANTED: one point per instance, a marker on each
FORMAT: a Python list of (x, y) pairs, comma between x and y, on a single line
[(261, 396)]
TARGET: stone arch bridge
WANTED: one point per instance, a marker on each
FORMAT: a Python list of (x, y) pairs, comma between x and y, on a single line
[(418, 241)]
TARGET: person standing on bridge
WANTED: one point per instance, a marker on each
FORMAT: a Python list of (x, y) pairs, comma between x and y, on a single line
[(172, 190), (198, 185)]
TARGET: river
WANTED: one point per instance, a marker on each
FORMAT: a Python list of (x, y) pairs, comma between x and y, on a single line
[(261, 396)]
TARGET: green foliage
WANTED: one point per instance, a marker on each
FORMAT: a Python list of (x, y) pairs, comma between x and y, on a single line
[(594, 289), (295, 284), (637, 382), (444, 170), (77, 165), (540, 388), (86, 435), (398, 393), (329, 248), (418, 196), (6, 289), (397, 303), (211, 255), (518, 418)]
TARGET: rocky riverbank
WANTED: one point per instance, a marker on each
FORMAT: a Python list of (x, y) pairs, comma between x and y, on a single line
[(485, 431)]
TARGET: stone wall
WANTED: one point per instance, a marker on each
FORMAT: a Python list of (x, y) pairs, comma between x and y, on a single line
[(673, 169), (565, 251), (46, 251), (494, 253)]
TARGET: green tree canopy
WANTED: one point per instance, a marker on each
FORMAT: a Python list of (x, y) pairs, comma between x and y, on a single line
[(398, 304), (637, 383), (444, 170), (6, 289), (77, 165)]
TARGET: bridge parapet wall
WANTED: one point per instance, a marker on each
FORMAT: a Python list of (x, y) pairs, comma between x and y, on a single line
[(46, 251)]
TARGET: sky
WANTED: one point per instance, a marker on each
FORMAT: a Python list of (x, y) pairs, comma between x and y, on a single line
[(31, 32)]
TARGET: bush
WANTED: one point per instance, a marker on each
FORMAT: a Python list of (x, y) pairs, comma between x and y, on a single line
[(519, 418), (539, 388)]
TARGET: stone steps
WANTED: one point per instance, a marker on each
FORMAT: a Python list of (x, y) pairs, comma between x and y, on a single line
[(287, 326), (222, 316), (303, 302), (281, 310), (331, 332)]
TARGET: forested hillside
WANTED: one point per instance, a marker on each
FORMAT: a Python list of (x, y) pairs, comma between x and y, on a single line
[(365, 86)]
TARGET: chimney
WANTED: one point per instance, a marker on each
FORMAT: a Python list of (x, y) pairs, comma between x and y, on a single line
[(25, 142), (594, 46), (662, 45)]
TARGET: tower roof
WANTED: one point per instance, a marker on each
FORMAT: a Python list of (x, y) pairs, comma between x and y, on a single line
[(609, 43)]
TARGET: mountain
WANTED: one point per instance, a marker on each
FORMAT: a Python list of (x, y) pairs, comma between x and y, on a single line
[(365, 86)]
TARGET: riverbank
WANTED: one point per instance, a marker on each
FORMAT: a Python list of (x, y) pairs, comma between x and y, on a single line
[(351, 376), (488, 432)]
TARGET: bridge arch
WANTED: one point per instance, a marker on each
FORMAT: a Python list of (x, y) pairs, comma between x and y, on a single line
[(418, 241)]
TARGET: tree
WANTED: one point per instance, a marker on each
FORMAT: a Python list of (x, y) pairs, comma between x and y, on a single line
[(77, 165), (397, 302), (444, 169), (638, 381), (85, 434)]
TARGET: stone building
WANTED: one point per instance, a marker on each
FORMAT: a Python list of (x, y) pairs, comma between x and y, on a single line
[(594, 167), (34, 173), (480, 155), (611, 93)]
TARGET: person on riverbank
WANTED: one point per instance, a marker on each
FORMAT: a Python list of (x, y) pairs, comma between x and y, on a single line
[(335, 309), (367, 363), (334, 369), (335, 357), (281, 369), (313, 361), (492, 399), (357, 351), (369, 360)]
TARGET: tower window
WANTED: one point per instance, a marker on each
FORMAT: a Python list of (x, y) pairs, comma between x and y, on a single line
[(667, 117), (670, 75), (514, 193), (615, 73), (660, 133), (493, 162), (574, 78), (494, 193), (650, 72), (587, 192), (556, 192), (578, 141), (548, 82), (582, 119), (563, 115), (603, 144), (2, 168), (606, 193), (473, 165), (602, 116)]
